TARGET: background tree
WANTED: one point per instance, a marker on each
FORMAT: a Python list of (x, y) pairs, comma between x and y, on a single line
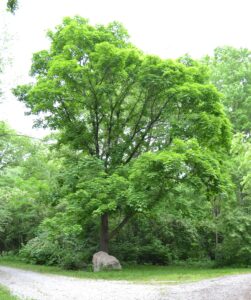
[(235, 220), (13, 147), (231, 74), (26, 179)]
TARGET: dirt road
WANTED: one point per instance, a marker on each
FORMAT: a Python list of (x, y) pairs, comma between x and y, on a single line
[(32, 285)]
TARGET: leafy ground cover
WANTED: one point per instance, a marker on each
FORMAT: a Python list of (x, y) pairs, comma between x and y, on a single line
[(138, 273)]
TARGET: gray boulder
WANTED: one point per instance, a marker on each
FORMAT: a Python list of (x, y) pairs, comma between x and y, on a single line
[(103, 261)]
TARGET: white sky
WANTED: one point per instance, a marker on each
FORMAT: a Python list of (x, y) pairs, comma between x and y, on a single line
[(169, 28)]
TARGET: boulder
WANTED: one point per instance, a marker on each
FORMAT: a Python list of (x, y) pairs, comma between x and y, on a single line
[(103, 261)]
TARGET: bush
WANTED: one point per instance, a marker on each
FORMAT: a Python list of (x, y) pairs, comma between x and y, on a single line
[(155, 254), (69, 255), (39, 250), (236, 246), (74, 261), (125, 251)]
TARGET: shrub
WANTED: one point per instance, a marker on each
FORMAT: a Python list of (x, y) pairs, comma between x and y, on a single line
[(39, 250), (155, 254), (68, 255)]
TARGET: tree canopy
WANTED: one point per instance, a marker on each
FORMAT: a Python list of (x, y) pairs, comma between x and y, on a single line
[(112, 102)]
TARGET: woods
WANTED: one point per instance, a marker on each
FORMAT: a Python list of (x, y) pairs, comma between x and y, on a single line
[(149, 158)]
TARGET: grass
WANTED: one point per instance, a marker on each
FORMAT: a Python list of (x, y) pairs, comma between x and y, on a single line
[(5, 294), (150, 274)]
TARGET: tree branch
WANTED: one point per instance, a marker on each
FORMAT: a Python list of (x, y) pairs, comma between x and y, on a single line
[(121, 225)]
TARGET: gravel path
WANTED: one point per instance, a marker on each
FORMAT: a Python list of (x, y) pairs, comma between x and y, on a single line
[(32, 285)]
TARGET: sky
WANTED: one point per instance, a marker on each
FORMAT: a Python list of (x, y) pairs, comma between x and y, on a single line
[(168, 28)]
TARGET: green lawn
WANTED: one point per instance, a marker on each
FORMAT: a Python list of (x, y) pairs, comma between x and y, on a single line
[(137, 273), (5, 294)]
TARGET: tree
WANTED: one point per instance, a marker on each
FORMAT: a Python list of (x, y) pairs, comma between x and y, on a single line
[(13, 147), (12, 5), (231, 74), (240, 170), (26, 178), (112, 102), (235, 221)]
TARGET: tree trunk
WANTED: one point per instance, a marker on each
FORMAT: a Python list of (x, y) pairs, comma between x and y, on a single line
[(104, 233)]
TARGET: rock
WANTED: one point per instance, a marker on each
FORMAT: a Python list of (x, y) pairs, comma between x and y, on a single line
[(103, 261)]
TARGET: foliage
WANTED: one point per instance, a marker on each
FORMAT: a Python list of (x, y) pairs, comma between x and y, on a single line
[(143, 155), (241, 170), (235, 221), (236, 246), (184, 162), (47, 251), (96, 87), (13, 147), (26, 180), (112, 102), (12, 5), (230, 73)]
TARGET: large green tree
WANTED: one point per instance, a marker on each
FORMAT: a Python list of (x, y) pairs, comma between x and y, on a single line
[(112, 102)]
